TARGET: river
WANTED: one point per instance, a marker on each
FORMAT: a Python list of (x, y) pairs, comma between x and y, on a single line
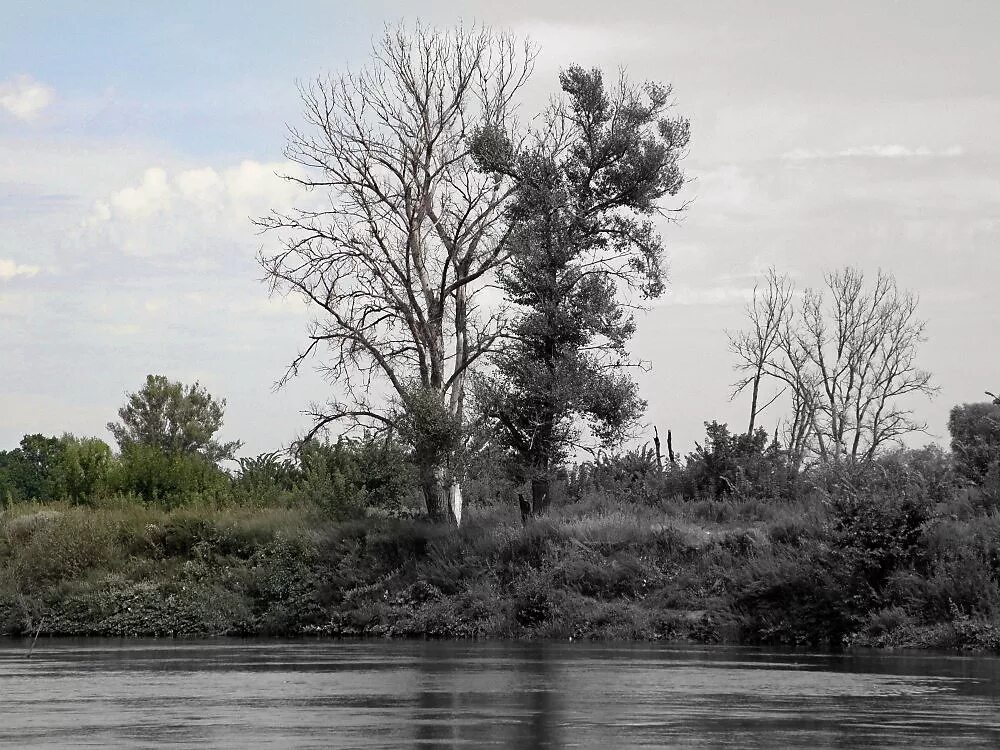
[(374, 694)]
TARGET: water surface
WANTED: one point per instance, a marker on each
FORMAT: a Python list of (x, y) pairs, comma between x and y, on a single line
[(375, 694)]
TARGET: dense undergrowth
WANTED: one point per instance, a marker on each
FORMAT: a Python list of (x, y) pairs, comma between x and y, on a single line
[(900, 554), (734, 543)]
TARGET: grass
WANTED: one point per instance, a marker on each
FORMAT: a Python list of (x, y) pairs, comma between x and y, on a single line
[(599, 568)]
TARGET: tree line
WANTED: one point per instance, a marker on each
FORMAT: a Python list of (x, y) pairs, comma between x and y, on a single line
[(473, 277)]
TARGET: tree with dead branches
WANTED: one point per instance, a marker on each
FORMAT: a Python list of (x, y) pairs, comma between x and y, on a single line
[(848, 355), (757, 345), (393, 264)]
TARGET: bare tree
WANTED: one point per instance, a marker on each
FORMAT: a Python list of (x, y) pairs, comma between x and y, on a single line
[(392, 266), (756, 346), (848, 356)]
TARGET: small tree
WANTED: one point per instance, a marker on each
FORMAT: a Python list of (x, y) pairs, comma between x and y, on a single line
[(581, 231), (85, 468), (175, 418)]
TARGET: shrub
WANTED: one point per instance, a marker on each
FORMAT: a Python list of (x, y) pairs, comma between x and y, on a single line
[(351, 475), (265, 478), (169, 479), (740, 464), (975, 438)]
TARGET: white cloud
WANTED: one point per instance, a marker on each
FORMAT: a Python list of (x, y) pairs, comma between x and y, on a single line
[(9, 269), (24, 98), (888, 151), (194, 211)]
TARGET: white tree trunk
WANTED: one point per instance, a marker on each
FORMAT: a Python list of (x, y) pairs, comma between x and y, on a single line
[(455, 502)]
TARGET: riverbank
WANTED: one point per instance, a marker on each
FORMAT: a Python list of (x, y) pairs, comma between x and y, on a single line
[(709, 571)]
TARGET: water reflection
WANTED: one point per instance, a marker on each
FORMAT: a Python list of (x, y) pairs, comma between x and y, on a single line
[(451, 695)]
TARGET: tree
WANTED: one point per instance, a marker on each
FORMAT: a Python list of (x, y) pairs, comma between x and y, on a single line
[(758, 345), (31, 471), (587, 184), (393, 264), (85, 468), (848, 355), (175, 418), (975, 438)]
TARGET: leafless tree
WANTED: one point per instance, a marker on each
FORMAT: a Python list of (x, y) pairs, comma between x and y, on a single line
[(847, 353), (393, 264), (756, 346)]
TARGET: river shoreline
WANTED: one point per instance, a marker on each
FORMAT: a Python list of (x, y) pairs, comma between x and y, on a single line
[(749, 574)]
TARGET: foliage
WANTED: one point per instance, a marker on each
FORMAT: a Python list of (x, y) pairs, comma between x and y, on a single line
[(85, 468), (352, 475), (975, 438), (411, 233), (168, 479), (31, 471), (50, 468), (746, 464), (586, 185), (265, 478), (173, 418)]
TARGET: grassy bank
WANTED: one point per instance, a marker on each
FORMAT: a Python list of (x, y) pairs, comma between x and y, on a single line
[(804, 572)]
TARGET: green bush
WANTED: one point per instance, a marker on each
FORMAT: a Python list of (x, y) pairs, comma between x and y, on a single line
[(350, 476), (169, 479), (265, 479)]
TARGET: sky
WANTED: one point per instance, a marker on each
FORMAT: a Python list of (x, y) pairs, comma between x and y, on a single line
[(137, 140)]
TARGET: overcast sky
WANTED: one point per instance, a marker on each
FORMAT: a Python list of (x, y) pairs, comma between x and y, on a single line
[(137, 138)]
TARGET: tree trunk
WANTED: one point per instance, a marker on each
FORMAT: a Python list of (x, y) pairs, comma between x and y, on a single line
[(432, 484), (540, 494), (753, 401), (455, 503)]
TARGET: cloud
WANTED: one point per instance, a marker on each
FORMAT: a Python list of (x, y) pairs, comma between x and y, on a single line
[(24, 98), (889, 151), (197, 211), (10, 269)]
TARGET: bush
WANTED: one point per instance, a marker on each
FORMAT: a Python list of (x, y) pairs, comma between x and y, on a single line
[(169, 479), (350, 476), (740, 464), (265, 479)]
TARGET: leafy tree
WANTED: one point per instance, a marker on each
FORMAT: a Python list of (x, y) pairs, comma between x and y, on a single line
[(581, 232), (975, 438), (176, 418), (84, 468), (393, 263), (30, 471)]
